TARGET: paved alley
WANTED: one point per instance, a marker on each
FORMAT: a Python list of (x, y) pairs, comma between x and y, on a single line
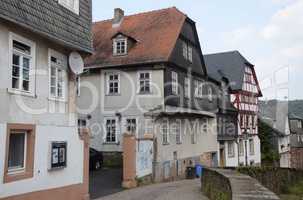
[(180, 190)]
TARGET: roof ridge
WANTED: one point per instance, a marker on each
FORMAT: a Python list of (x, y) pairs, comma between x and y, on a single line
[(223, 52), (144, 13)]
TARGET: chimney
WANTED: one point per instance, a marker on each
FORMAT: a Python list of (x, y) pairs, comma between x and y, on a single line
[(118, 16)]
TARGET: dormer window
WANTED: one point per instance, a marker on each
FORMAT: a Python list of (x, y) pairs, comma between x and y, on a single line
[(120, 46)]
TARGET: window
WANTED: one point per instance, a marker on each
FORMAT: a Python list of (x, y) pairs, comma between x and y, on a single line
[(17, 151), (187, 51), (193, 137), (187, 87), (251, 147), (20, 152), (231, 149), (131, 125), (72, 5), (175, 85), (22, 55), (113, 84), (58, 155), (198, 89), (299, 124), (144, 82), (111, 131), (210, 94), (165, 134), (176, 130), (190, 53), (241, 148), (78, 82), (120, 46), (58, 78)]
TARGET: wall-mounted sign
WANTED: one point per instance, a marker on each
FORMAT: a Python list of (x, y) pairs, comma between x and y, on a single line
[(58, 155)]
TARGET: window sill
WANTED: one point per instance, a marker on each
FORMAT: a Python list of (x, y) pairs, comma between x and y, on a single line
[(111, 143), (167, 143), (20, 92), (113, 95), (57, 100), (56, 168), (8, 178), (145, 93)]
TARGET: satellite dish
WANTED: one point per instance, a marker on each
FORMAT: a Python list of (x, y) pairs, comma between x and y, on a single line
[(76, 63)]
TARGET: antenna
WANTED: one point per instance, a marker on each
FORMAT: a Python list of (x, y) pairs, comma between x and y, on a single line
[(76, 63)]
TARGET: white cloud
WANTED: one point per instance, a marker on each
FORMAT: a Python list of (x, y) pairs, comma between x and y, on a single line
[(277, 44)]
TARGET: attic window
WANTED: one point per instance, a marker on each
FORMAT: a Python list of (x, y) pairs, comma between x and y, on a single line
[(120, 46)]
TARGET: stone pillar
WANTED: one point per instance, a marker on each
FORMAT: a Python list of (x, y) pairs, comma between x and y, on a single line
[(129, 161), (85, 136)]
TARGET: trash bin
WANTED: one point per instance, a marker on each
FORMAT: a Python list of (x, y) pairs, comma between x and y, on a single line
[(190, 172), (199, 171)]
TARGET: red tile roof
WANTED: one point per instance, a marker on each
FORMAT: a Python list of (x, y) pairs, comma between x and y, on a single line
[(156, 33)]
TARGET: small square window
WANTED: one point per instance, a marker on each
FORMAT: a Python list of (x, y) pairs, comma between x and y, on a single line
[(113, 84), (120, 46), (144, 82), (131, 125)]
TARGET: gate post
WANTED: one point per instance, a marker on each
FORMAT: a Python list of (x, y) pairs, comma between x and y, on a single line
[(129, 161)]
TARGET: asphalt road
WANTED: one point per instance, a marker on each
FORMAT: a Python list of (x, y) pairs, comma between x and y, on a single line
[(105, 182), (181, 190)]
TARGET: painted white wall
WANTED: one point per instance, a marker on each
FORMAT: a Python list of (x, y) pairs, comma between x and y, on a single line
[(58, 123), (105, 106), (231, 161), (205, 142), (44, 179)]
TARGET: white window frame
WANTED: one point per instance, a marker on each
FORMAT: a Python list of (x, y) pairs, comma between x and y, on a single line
[(126, 124), (241, 148), (67, 4), (176, 129), (60, 65), (174, 83), (116, 130), (190, 53), (299, 124), (210, 94), (32, 64), (198, 89), (150, 82), (187, 87), (78, 82), (108, 81), (21, 169), (165, 132), (231, 149), (185, 50), (251, 147), (116, 41)]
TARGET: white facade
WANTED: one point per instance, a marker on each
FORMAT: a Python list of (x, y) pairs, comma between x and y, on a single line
[(54, 120), (246, 101)]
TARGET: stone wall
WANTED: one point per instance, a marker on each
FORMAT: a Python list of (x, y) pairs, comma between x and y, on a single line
[(215, 185), (275, 179)]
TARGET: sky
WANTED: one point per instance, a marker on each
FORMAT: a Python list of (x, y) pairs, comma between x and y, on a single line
[(269, 33)]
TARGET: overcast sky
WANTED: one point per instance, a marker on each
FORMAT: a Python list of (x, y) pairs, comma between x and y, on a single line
[(269, 33)]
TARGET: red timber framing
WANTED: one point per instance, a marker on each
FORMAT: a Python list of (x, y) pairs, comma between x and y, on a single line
[(246, 101)]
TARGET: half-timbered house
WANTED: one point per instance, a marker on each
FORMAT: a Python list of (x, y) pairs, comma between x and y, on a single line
[(245, 91)]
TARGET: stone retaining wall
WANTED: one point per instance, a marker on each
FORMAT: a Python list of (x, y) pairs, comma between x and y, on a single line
[(215, 185), (227, 184), (275, 179)]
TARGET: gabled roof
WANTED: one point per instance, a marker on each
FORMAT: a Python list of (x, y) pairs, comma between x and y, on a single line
[(156, 33), (230, 65)]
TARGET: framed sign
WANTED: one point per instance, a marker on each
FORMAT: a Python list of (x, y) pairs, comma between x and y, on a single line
[(58, 155)]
